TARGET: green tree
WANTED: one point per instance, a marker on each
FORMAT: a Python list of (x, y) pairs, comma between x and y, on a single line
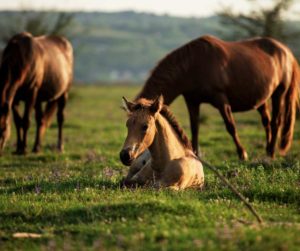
[(37, 23), (260, 21)]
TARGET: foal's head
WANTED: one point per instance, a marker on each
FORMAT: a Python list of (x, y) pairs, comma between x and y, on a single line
[(4, 125), (141, 127)]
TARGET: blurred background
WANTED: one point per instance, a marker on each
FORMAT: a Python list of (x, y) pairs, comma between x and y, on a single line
[(120, 41)]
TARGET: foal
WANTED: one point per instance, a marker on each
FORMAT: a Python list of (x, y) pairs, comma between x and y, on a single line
[(152, 126)]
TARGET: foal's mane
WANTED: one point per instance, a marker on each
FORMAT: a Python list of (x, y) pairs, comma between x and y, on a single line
[(169, 116)]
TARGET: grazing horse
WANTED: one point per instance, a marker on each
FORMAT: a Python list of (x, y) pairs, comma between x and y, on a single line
[(152, 126), (233, 77), (34, 70)]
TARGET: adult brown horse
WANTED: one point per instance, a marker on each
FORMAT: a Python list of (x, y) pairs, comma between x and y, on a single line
[(233, 77), (34, 70)]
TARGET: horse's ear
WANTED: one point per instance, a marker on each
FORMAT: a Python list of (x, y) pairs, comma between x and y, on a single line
[(127, 105), (157, 104)]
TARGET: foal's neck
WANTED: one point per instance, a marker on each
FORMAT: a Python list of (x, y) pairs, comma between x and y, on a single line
[(166, 145)]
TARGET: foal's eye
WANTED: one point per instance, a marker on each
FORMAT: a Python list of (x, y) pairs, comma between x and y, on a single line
[(144, 128)]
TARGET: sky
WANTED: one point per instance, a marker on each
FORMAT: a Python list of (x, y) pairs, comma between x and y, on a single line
[(184, 8)]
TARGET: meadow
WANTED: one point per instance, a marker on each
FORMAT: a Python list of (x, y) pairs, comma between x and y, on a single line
[(74, 202)]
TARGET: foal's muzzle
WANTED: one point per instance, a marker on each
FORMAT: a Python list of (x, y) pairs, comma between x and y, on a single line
[(125, 156)]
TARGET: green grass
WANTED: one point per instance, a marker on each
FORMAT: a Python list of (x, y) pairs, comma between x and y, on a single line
[(74, 201)]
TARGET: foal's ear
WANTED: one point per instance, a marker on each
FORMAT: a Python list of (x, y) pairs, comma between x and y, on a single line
[(157, 104), (127, 105)]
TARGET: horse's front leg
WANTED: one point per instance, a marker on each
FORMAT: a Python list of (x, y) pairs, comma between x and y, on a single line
[(194, 111), (19, 126)]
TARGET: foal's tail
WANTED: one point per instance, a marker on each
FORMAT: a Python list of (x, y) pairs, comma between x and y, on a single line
[(291, 102)]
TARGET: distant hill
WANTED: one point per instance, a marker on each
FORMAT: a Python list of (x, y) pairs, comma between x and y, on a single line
[(124, 46)]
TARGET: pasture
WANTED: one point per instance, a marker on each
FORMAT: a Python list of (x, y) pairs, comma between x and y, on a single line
[(74, 202)]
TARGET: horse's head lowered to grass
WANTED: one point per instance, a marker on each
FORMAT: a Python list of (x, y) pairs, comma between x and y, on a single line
[(141, 127)]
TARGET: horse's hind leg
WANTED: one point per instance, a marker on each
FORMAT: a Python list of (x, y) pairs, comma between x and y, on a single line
[(225, 110), (29, 105), (19, 127), (277, 113), (42, 121), (266, 121), (60, 119)]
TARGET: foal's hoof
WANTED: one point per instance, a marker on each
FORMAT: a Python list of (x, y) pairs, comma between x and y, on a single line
[(125, 183)]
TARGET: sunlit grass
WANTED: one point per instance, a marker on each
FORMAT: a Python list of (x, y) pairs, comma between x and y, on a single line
[(74, 200)]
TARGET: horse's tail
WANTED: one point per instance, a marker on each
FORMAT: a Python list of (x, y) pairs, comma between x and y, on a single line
[(291, 103), (18, 55)]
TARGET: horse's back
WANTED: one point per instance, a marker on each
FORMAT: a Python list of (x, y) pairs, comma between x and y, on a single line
[(57, 55), (44, 62), (245, 72)]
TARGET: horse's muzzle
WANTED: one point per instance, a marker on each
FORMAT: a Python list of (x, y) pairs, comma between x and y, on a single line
[(125, 157)]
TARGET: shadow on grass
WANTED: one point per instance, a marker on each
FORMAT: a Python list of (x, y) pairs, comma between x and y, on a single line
[(35, 160), (291, 161), (107, 213), (279, 197), (61, 187)]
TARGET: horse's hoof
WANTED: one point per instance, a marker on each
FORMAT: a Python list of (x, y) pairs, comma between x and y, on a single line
[(271, 155), (20, 152), (36, 150), (60, 149), (244, 156)]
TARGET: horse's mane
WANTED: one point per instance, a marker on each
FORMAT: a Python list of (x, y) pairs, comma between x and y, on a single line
[(169, 116), (174, 66)]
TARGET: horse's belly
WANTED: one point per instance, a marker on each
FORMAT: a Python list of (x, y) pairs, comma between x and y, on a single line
[(246, 104), (249, 97), (51, 91)]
